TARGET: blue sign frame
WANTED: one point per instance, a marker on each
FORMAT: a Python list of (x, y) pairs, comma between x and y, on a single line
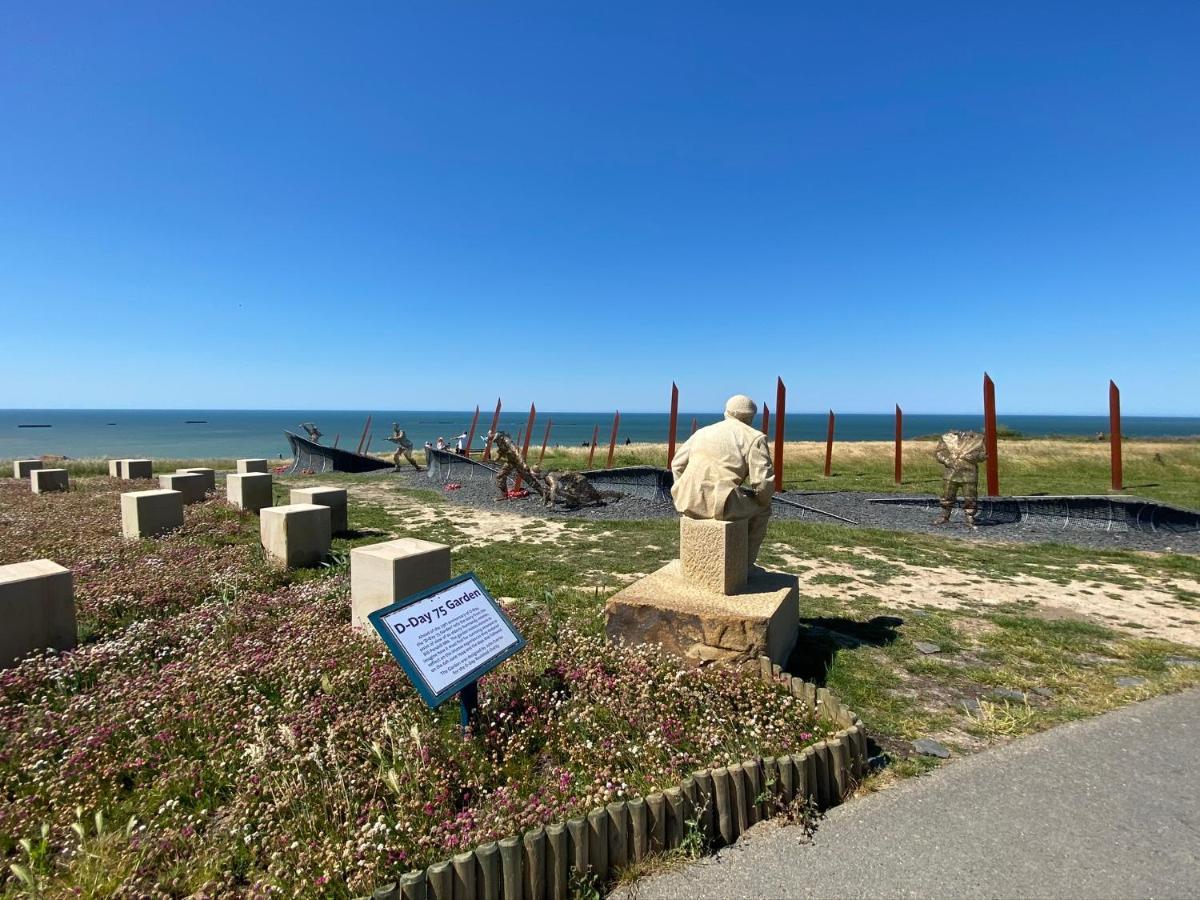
[(433, 700)]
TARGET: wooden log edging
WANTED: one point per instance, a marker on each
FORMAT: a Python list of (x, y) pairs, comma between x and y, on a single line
[(717, 804)]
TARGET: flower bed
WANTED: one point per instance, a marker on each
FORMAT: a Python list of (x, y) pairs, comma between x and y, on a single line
[(247, 740)]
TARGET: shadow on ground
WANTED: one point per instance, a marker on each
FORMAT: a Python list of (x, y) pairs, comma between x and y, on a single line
[(819, 640)]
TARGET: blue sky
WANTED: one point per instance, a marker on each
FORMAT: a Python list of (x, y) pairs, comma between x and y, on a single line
[(422, 205)]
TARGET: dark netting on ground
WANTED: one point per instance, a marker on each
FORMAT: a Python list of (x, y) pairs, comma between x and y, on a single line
[(1077, 513), (645, 482), (309, 458)]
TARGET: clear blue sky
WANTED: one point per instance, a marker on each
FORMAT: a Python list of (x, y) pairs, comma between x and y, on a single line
[(424, 205)]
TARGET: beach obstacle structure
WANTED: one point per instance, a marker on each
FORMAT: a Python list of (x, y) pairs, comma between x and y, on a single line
[(247, 466), (22, 467), (45, 481), (381, 574), (190, 485), (114, 468), (334, 498), (37, 609), (209, 476), (251, 491), (150, 513), (128, 469), (297, 534)]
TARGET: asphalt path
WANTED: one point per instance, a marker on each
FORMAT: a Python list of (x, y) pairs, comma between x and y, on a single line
[(1108, 807)]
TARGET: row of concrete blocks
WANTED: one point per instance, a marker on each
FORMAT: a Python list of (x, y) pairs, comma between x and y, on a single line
[(37, 598), (129, 469), (723, 802)]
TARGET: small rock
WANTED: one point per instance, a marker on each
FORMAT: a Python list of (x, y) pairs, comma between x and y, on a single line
[(1044, 693), (1181, 661), (1131, 681), (971, 706), (930, 747), (1007, 694), (926, 647)]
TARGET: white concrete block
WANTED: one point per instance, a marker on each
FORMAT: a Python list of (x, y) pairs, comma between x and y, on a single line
[(251, 491), (45, 480), (334, 498), (210, 476), (191, 486), (381, 574), (114, 468), (37, 609), (22, 467), (137, 468), (147, 513), (297, 534), (245, 466)]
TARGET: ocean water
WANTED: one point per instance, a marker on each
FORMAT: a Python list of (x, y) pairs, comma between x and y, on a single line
[(239, 433)]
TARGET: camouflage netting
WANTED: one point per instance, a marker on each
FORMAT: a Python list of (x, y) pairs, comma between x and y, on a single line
[(1097, 513)]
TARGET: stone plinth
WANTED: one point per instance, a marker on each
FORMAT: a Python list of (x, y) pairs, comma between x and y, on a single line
[(245, 466), (137, 468), (22, 467), (114, 468), (297, 534), (334, 498), (147, 513), (250, 492), (45, 480), (701, 625), (381, 574), (191, 486), (209, 476), (37, 609), (714, 555)]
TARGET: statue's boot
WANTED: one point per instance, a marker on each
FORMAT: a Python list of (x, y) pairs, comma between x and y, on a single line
[(946, 509)]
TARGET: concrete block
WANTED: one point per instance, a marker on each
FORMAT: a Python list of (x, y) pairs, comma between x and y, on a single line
[(137, 468), (714, 555), (147, 513), (701, 625), (45, 480), (209, 475), (381, 574), (334, 498), (245, 466), (191, 486), (22, 467), (114, 468), (250, 492), (297, 534), (37, 609)]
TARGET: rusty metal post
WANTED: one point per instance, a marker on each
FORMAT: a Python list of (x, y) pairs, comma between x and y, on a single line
[(693, 424), (471, 433), (899, 444), (487, 447), (766, 426), (780, 420), (989, 436), (612, 444), (336, 438), (1114, 438), (673, 423), (592, 449), (829, 446), (362, 440), (545, 440), (525, 446)]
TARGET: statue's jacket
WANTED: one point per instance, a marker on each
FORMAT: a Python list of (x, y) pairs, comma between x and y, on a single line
[(723, 472)]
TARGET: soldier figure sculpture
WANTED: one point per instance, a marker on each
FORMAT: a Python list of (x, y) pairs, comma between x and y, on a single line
[(572, 489), (403, 447), (509, 458), (314, 433), (960, 453)]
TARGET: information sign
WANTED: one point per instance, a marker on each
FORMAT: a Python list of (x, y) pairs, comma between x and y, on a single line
[(446, 637)]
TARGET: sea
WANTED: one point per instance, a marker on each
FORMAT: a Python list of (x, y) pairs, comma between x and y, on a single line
[(223, 433)]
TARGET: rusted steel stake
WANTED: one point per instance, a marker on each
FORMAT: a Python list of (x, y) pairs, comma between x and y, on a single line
[(1114, 437), (673, 424), (766, 426), (471, 433), (899, 444), (487, 447), (525, 446), (780, 419), (592, 449), (545, 440), (989, 436), (362, 440), (612, 444), (693, 424), (829, 446), (336, 438)]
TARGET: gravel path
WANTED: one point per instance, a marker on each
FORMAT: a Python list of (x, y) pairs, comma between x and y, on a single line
[(856, 507)]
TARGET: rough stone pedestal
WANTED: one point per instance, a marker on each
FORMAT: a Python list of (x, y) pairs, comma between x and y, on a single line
[(45, 480), (250, 492), (22, 467), (381, 574), (147, 513), (334, 498), (246, 466), (37, 609), (297, 534), (137, 468), (702, 625), (191, 486), (713, 554), (209, 476)]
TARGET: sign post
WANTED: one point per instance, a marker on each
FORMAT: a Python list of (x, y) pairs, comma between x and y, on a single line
[(446, 638)]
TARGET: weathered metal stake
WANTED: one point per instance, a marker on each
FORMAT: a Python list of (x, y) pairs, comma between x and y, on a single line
[(780, 420), (992, 465), (363, 439), (766, 426), (545, 440), (612, 444), (525, 445), (673, 423), (693, 424), (829, 446), (471, 433), (899, 444), (487, 447), (1114, 435), (592, 448)]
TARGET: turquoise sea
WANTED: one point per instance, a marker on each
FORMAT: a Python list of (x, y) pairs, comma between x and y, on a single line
[(198, 433)]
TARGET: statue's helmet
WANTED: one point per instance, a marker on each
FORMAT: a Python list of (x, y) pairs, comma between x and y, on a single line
[(740, 407)]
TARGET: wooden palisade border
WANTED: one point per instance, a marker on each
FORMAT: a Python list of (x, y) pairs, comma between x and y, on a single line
[(723, 803)]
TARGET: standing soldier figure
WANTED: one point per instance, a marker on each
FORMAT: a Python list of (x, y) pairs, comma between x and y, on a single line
[(960, 453), (314, 433), (403, 447)]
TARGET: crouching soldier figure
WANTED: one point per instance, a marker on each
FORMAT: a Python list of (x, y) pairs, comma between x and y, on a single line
[(960, 453), (509, 459), (572, 489)]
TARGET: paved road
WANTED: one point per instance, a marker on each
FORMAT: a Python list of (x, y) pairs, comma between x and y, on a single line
[(1109, 807)]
